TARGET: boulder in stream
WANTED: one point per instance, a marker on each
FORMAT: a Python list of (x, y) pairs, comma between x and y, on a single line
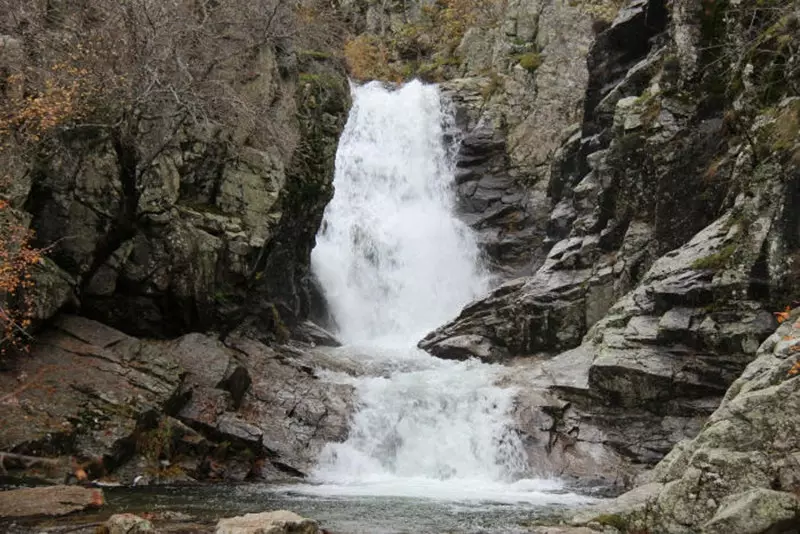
[(128, 524), (277, 522)]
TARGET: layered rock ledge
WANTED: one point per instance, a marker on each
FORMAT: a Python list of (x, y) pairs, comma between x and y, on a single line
[(189, 409)]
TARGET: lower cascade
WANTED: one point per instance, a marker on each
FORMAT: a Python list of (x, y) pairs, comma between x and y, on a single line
[(394, 263)]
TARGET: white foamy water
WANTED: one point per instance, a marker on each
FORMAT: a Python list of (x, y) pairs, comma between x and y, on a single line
[(394, 263), (392, 259)]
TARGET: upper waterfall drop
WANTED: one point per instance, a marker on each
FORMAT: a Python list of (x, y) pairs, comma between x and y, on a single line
[(392, 259)]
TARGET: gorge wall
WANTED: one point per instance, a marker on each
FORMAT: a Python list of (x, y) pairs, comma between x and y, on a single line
[(163, 195), (659, 223), (630, 168), (659, 235)]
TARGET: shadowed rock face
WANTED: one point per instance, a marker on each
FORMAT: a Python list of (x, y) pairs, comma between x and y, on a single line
[(214, 231), (132, 406), (512, 122)]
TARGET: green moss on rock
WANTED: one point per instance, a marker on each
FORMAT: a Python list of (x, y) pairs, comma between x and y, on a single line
[(612, 520), (530, 61), (718, 260)]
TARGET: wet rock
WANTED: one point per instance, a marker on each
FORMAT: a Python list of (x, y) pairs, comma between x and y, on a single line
[(205, 359), (469, 346), (128, 524), (48, 501), (278, 522), (231, 425), (205, 406), (237, 384), (312, 333), (296, 413), (83, 390)]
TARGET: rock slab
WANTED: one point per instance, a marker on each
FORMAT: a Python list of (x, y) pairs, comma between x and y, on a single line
[(48, 501), (277, 522)]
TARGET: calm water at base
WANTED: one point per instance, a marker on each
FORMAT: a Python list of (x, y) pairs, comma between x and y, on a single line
[(340, 514)]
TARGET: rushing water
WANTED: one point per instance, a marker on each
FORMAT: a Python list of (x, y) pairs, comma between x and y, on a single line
[(394, 263)]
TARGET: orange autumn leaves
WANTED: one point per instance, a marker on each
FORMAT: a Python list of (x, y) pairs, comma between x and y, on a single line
[(29, 113), (17, 259), (26, 115), (34, 103), (781, 317)]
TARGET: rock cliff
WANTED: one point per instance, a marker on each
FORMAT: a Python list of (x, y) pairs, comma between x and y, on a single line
[(173, 201), (173, 161), (658, 222), (740, 473)]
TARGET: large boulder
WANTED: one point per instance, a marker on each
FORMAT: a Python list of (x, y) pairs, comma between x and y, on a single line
[(278, 522), (128, 524)]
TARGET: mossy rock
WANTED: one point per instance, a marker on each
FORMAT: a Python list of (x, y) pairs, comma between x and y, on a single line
[(612, 520), (718, 260), (530, 61)]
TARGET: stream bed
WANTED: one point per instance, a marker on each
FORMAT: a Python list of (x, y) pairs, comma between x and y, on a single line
[(197, 508)]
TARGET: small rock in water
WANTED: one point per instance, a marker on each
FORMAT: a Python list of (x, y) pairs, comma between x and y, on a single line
[(277, 522), (48, 500), (128, 524)]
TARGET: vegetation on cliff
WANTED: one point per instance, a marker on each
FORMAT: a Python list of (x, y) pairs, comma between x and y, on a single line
[(422, 47), (114, 113)]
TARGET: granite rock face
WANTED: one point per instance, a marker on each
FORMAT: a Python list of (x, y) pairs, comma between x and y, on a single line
[(163, 229), (740, 473), (513, 120), (192, 408), (669, 241)]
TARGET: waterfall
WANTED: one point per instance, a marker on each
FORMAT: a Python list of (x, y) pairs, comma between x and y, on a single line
[(392, 259), (394, 263)]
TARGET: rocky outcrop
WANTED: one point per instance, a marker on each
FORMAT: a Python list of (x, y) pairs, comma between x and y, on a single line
[(740, 474), (670, 235), (192, 213), (514, 119), (192, 408), (647, 375)]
